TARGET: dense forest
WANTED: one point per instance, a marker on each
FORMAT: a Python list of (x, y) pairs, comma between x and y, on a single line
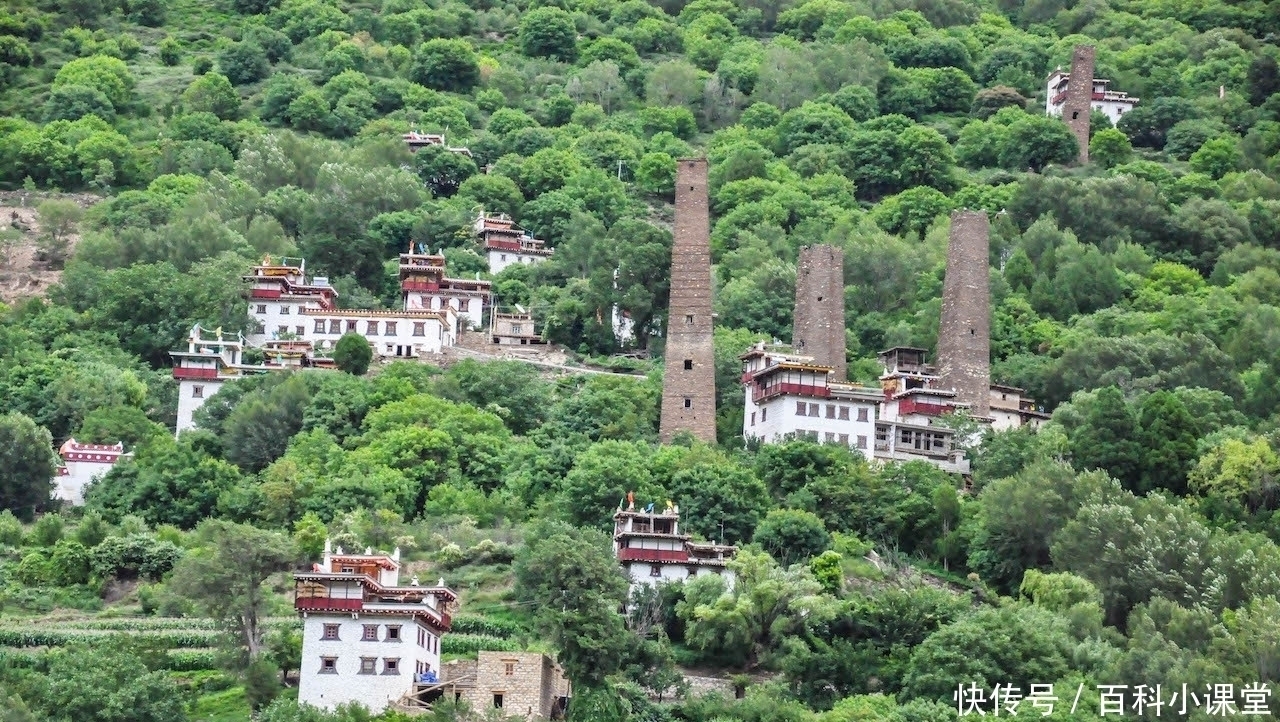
[(152, 150)]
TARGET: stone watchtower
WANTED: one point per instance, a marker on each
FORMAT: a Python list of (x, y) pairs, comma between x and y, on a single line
[(819, 318), (964, 334), (689, 384), (1079, 103)]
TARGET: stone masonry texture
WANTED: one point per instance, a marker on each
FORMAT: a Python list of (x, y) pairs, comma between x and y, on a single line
[(529, 683), (1079, 102), (964, 334), (819, 319), (689, 383)]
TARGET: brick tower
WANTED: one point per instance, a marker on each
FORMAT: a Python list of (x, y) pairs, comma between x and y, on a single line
[(689, 384), (819, 318), (964, 334), (1079, 102)]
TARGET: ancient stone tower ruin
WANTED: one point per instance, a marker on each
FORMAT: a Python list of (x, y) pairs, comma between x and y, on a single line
[(964, 334), (689, 384), (819, 318), (1076, 108)]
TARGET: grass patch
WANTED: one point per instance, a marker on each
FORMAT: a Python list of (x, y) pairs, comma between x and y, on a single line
[(229, 705)]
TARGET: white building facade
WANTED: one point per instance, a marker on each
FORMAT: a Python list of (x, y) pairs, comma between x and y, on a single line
[(788, 396), (1112, 102), (507, 244), (81, 465), (651, 550), (366, 639)]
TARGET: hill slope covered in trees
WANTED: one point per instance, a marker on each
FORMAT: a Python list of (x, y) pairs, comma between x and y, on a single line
[(1130, 541)]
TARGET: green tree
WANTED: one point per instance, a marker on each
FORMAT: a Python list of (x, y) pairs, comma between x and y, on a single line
[(28, 463), (243, 63), (109, 682), (212, 93), (748, 624), (1218, 157), (792, 535), (443, 171), (1108, 438), (226, 576), (108, 75), (170, 51), (446, 64), (1168, 436), (1110, 148), (73, 102), (352, 353), (59, 220), (570, 578), (549, 32)]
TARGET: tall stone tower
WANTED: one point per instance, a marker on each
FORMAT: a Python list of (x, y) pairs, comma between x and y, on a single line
[(689, 384), (964, 334), (1079, 103), (819, 318)]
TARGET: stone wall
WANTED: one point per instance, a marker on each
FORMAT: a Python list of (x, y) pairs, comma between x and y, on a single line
[(529, 683), (1079, 103), (964, 334), (819, 317), (689, 385)]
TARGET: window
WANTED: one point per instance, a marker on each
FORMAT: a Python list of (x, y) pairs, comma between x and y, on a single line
[(830, 437), (497, 700), (844, 413), (813, 410), (370, 633), (371, 327), (688, 364), (862, 414), (831, 411), (509, 666), (391, 665), (351, 326), (688, 402), (655, 570), (284, 310), (764, 413), (335, 326), (464, 304), (801, 409), (282, 329), (393, 633), (197, 392), (688, 318), (753, 418), (300, 330), (320, 325), (330, 631), (419, 328), (844, 439), (368, 665), (1075, 115), (502, 257), (262, 308), (390, 328), (862, 441), (328, 665), (517, 328)]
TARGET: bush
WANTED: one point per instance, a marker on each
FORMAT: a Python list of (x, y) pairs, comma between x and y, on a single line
[(549, 32), (352, 354), (10, 529), (201, 65), (47, 530), (133, 557), (170, 52), (244, 63)]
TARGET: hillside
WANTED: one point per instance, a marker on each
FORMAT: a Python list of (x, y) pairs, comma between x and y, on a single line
[(155, 150)]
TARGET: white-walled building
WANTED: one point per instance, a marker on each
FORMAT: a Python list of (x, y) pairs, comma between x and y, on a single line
[(366, 639), (514, 329), (209, 361), (81, 464), (789, 396), (507, 244), (908, 428), (1112, 102), (1011, 409), (425, 287), (651, 549), (416, 140)]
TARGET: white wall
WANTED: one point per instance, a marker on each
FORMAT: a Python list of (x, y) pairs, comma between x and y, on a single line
[(188, 402), (375, 691), (473, 317), (500, 259), (775, 418), (70, 487), (284, 311), (435, 334)]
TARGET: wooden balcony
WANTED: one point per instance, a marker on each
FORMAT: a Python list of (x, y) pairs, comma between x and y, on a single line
[(630, 554), (321, 604), (183, 372), (760, 394)]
